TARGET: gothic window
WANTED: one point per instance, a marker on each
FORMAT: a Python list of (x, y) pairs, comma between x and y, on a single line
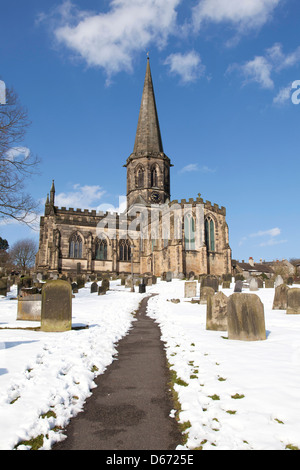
[(140, 178), (154, 178), (124, 250), (101, 250), (75, 250), (210, 234), (189, 232)]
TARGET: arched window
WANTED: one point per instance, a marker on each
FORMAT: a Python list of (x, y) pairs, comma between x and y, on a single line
[(124, 250), (140, 178), (101, 250), (189, 232), (210, 234), (75, 250), (154, 178)]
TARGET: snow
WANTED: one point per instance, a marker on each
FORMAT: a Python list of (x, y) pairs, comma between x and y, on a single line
[(42, 372)]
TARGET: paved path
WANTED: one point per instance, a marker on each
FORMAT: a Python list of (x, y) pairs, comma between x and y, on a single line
[(129, 409)]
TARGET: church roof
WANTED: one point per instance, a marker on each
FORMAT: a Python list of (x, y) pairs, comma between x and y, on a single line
[(148, 137)]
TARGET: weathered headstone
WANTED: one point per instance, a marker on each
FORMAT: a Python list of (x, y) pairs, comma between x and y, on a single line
[(216, 312), (246, 318), (253, 284), (94, 287), (210, 281), (278, 281), (169, 276), (154, 280), (280, 297), (238, 286), (260, 283), (205, 292), (29, 304), (3, 286), (293, 301), (190, 289), (269, 284), (226, 285), (56, 312)]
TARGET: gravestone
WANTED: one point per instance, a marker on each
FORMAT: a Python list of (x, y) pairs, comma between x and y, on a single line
[(169, 276), (253, 284), (280, 297), (3, 286), (205, 292), (154, 280), (29, 304), (190, 289), (56, 314), (278, 281), (25, 281), (226, 285), (191, 276), (94, 287), (210, 281), (246, 318), (80, 282), (142, 288), (269, 284), (293, 301), (260, 283), (181, 276), (216, 312), (104, 286), (238, 286)]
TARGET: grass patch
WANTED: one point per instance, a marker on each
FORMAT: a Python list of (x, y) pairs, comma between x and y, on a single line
[(231, 412), (237, 396), (214, 397), (291, 447)]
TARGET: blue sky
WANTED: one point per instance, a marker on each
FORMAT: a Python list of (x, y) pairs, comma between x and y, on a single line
[(223, 72)]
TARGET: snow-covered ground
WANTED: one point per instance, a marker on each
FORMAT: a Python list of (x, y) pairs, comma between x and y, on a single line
[(233, 394)]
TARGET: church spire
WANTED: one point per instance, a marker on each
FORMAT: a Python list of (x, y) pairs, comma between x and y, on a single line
[(148, 138)]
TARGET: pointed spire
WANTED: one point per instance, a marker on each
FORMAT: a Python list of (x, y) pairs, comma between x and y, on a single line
[(148, 137), (52, 193)]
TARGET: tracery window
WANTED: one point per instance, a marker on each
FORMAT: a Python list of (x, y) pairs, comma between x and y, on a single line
[(140, 178), (124, 250), (101, 250), (75, 249), (154, 177), (210, 234), (189, 232)]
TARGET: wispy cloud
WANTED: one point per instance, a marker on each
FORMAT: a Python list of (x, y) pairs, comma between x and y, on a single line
[(273, 232), (187, 66), (84, 197), (270, 235), (192, 167)]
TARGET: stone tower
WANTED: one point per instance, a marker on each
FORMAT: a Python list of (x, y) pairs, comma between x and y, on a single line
[(148, 168)]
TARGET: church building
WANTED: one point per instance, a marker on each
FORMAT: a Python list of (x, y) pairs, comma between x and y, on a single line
[(154, 235)]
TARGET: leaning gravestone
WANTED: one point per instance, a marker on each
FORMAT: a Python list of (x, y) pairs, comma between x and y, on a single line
[(253, 284), (238, 286), (280, 297), (190, 289), (3, 286), (205, 292), (293, 301), (56, 315), (94, 287), (246, 318), (216, 312)]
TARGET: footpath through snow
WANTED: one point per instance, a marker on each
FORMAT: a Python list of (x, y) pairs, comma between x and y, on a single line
[(233, 395)]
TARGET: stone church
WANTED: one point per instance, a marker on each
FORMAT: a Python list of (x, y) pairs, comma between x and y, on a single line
[(154, 235)]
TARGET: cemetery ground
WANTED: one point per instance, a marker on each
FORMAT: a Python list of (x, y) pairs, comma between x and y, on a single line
[(228, 394)]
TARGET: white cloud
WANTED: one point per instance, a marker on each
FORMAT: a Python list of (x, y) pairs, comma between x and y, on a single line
[(195, 167), (15, 152), (110, 40), (257, 70), (245, 14), (83, 197), (188, 66), (273, 232), (283, 95)]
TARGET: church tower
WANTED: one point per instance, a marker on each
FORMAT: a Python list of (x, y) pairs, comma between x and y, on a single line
[(148, 168)]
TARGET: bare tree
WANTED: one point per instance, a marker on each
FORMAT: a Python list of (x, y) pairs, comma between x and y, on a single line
[(16, 162), (22, 254)]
